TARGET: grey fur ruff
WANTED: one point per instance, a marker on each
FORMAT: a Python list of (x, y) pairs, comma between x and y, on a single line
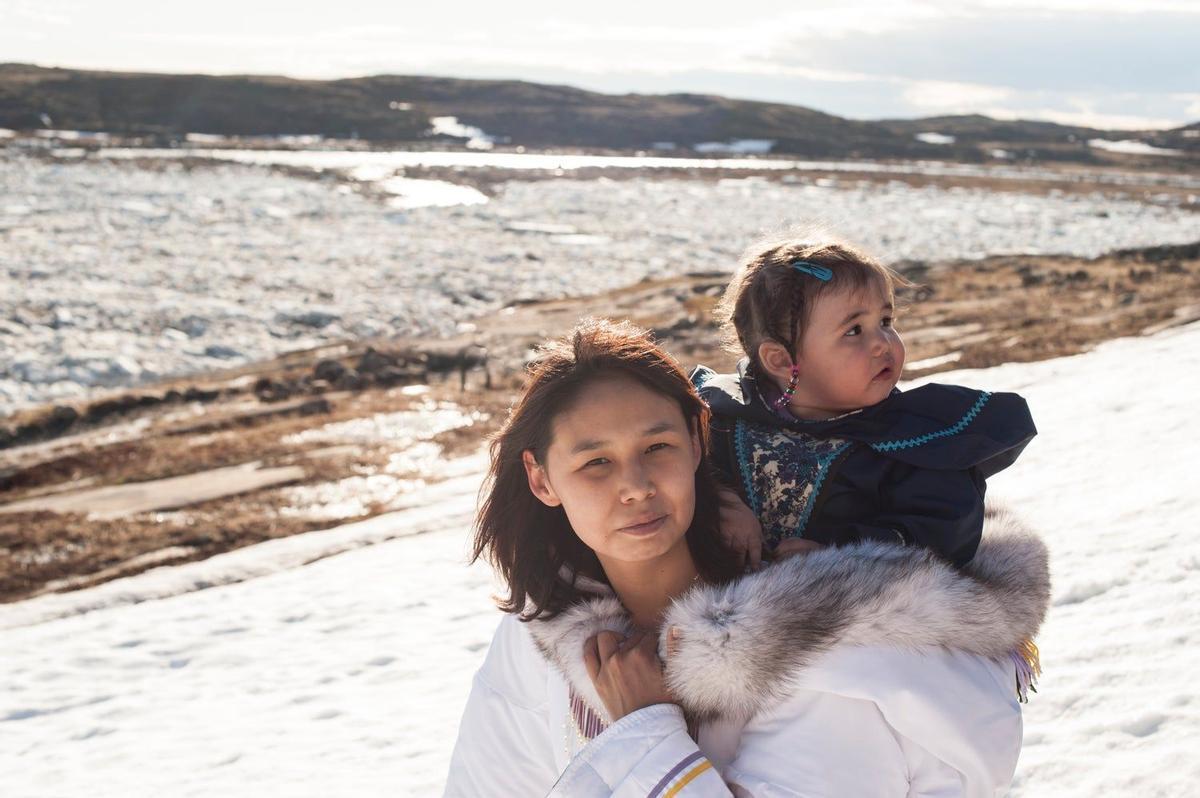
[(740, 645)]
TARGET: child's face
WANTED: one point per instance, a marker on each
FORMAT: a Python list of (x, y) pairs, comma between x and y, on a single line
[(622, 464), (850, 356)]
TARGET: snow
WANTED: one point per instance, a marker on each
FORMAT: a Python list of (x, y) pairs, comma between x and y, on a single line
[(934, 138), (264, 670), (450, 126), (737, 146), (112, 275), (414, 193), (349, 159), (1131, 147), (73, 135)]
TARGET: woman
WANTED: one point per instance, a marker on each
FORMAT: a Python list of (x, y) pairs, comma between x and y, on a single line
[(824, 675)]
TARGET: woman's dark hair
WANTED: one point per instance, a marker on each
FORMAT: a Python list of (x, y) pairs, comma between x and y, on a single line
[(532, 545)]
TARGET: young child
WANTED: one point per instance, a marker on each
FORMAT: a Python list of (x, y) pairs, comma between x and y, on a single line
[(812, 430)]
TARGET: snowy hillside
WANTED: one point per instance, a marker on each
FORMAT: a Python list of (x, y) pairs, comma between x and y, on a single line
[(346, 676)]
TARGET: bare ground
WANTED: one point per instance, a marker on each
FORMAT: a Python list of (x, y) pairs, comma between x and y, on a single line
[(961, 314)]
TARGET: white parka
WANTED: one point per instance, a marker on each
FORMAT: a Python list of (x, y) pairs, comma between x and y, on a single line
[(869, 670)]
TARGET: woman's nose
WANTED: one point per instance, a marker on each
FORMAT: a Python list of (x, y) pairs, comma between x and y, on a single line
[(636, 485)]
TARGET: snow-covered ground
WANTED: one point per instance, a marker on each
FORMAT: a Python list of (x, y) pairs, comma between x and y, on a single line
[(400, 159), (253, 673), (112, 274)]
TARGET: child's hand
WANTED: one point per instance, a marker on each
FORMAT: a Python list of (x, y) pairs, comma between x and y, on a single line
[(740, 529), (793, 546)]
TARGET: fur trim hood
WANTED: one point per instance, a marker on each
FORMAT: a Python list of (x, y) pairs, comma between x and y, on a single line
[(740, 645)]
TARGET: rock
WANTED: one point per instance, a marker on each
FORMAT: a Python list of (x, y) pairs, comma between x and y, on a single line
[(350, 381), (60, 419), (221, 352), (195, 394), (194, 326), (394, 375), (369, 328), (269, 390), (374, 361), (683, 324), (329, 370), (102, 410), (101, 371), (317, 319), (314, 407), (62, 318), (457, 360)]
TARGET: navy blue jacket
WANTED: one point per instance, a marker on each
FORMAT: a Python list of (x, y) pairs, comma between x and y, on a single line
[(911, 469)]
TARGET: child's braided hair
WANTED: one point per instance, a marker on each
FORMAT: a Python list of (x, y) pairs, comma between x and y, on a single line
[(769, 300)]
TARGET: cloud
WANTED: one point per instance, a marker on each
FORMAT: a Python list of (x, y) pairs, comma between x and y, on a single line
[(1026, 50), (1084, 118), (26, 12), (1098, 62), (940, 96), (1091, 6), (1193, 107)]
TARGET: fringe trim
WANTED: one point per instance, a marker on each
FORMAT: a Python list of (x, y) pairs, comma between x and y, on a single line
[(1028, 662), (588, 722)]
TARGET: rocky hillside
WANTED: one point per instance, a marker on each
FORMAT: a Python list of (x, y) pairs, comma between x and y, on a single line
[(391, 109)]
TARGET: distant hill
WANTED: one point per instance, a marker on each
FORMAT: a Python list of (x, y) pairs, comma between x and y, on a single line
[(392, 109)]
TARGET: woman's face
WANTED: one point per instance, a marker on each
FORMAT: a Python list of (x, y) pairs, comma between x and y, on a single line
[(621, 463)]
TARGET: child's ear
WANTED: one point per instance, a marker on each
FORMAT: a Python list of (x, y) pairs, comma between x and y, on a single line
[(538, 484), (776, 359)]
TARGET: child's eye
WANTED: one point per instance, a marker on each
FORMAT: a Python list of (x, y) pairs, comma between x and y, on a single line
[(889, 321), (855, 330), (599, 461)]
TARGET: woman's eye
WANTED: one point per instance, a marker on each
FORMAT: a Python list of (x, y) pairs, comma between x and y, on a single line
[(599, 461), (855, 330), (656, 446)]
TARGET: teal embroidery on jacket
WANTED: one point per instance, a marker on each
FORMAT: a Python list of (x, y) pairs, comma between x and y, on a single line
[(743, 457), (702, 375), (954, 429)]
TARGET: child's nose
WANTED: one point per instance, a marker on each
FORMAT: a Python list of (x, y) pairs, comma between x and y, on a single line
[(880, 343)]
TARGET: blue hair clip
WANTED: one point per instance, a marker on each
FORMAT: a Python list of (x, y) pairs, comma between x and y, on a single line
[(820, 272)]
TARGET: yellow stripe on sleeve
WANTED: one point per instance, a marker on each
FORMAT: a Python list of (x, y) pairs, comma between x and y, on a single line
[(687, 778)]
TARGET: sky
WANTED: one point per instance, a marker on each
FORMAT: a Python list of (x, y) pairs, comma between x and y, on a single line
[(1096, 62)]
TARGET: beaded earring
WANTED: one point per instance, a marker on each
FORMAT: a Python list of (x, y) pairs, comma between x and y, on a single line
[(786, 397)]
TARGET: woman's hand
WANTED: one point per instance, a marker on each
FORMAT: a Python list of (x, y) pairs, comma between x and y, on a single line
[(627, 672), (793, 546), (740, 529)]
